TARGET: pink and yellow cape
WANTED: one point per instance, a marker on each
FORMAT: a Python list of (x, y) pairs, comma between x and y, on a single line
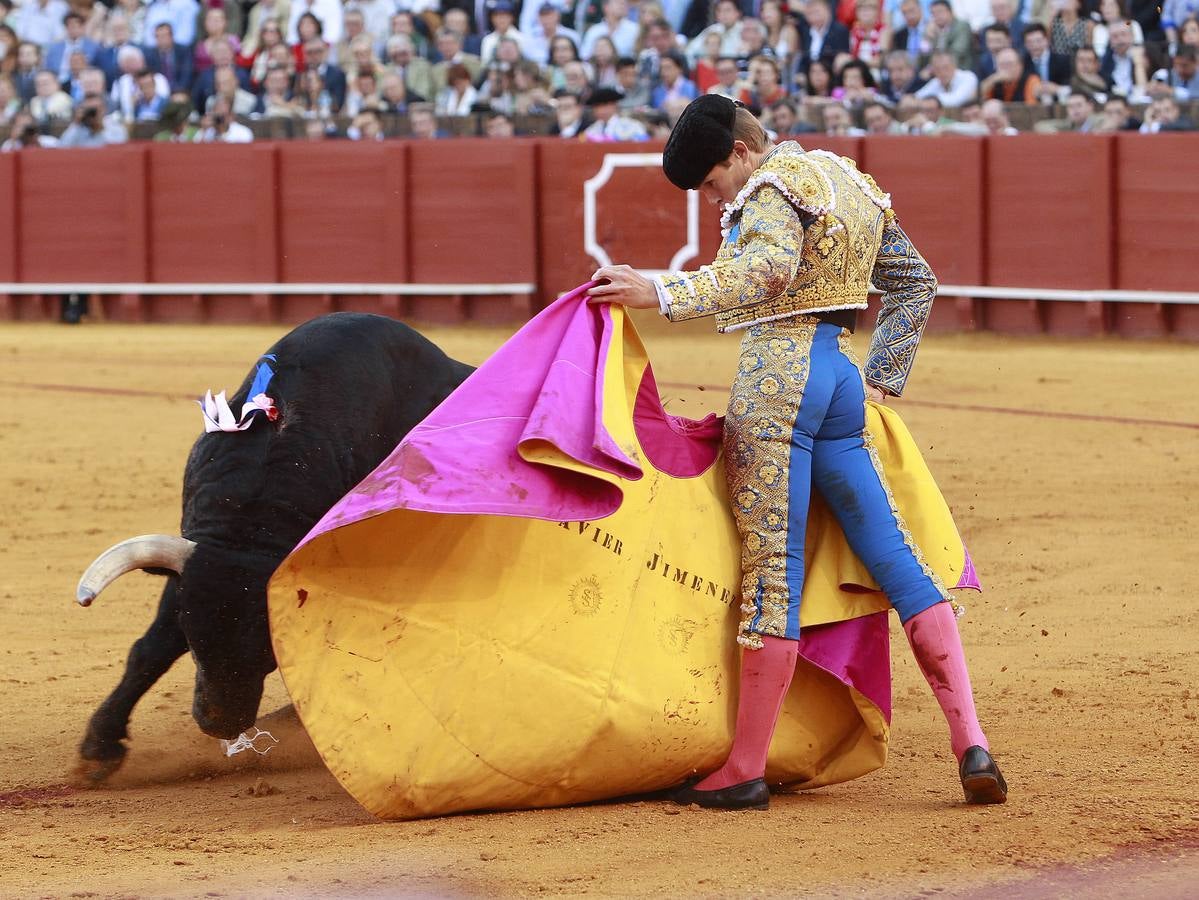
[(532, 601)]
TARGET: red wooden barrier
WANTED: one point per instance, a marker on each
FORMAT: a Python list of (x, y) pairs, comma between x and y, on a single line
[(641, 218), (1157, 194), (1067, 211), (11, 306), (1049, 222), (473, 219), (343, 218), (937, 190)]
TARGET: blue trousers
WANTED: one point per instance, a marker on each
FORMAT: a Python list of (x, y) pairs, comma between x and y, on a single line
[(797, 421)]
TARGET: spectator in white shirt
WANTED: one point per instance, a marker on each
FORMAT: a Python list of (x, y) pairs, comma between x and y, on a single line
[(609, 124), (219, 126), (546, 27), (328, 13), (503, 25), (40, 21), (954, 87), (376, 15), (615, 25), (181, 15), (995, 118), (50, 103), (131, 61)]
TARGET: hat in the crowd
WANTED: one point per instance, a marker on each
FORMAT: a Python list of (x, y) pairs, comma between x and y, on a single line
[(702, 137), (501, 6), (603, 95), (548, 7)]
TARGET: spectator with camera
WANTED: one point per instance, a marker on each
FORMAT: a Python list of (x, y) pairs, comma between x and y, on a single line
[(220, 127), (1181, 79), (91, 127), (25, 133)]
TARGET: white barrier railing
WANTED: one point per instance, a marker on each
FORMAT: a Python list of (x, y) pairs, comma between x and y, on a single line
[(409, 290), (975, 291)]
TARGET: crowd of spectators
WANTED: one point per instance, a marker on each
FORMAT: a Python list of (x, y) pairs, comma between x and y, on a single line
[(199, 70)]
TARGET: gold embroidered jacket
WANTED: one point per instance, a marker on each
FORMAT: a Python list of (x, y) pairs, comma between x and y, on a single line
[(808, 233)]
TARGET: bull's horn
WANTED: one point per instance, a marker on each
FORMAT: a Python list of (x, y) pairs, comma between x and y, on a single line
[(148, 551)]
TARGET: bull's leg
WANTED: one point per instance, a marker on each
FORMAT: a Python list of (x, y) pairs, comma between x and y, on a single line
[(152, 654)]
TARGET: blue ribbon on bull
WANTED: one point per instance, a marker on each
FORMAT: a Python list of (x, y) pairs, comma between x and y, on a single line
[(219, 417)]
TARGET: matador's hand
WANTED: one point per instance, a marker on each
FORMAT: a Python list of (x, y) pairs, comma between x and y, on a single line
[(875, 394), (625, 286)]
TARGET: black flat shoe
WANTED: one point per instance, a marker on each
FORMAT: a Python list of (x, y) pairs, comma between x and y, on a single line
[(982, 781), (747, 795)]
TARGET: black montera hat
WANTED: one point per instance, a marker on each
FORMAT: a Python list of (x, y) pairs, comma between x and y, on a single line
[(702, 137)]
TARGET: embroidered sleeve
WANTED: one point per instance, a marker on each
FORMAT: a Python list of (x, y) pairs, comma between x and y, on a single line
[(908, 287), (765, 258)]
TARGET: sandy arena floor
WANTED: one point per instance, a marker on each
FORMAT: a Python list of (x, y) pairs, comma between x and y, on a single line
[(1071, 467)]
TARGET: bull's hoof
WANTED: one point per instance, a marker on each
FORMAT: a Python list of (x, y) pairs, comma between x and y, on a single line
[(96, 765)]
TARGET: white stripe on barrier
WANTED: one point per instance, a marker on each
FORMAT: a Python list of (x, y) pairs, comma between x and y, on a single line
[(423, 290)]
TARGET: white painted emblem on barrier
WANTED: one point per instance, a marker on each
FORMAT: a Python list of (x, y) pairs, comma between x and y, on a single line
[(611, 162)]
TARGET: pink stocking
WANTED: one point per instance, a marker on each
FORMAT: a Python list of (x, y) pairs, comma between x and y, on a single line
[(937, 647), (765, 677)]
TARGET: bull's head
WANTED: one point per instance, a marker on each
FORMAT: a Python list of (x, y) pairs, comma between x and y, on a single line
[(221, 611)]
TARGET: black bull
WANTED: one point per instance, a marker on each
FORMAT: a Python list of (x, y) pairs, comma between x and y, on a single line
[(348, 387)]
